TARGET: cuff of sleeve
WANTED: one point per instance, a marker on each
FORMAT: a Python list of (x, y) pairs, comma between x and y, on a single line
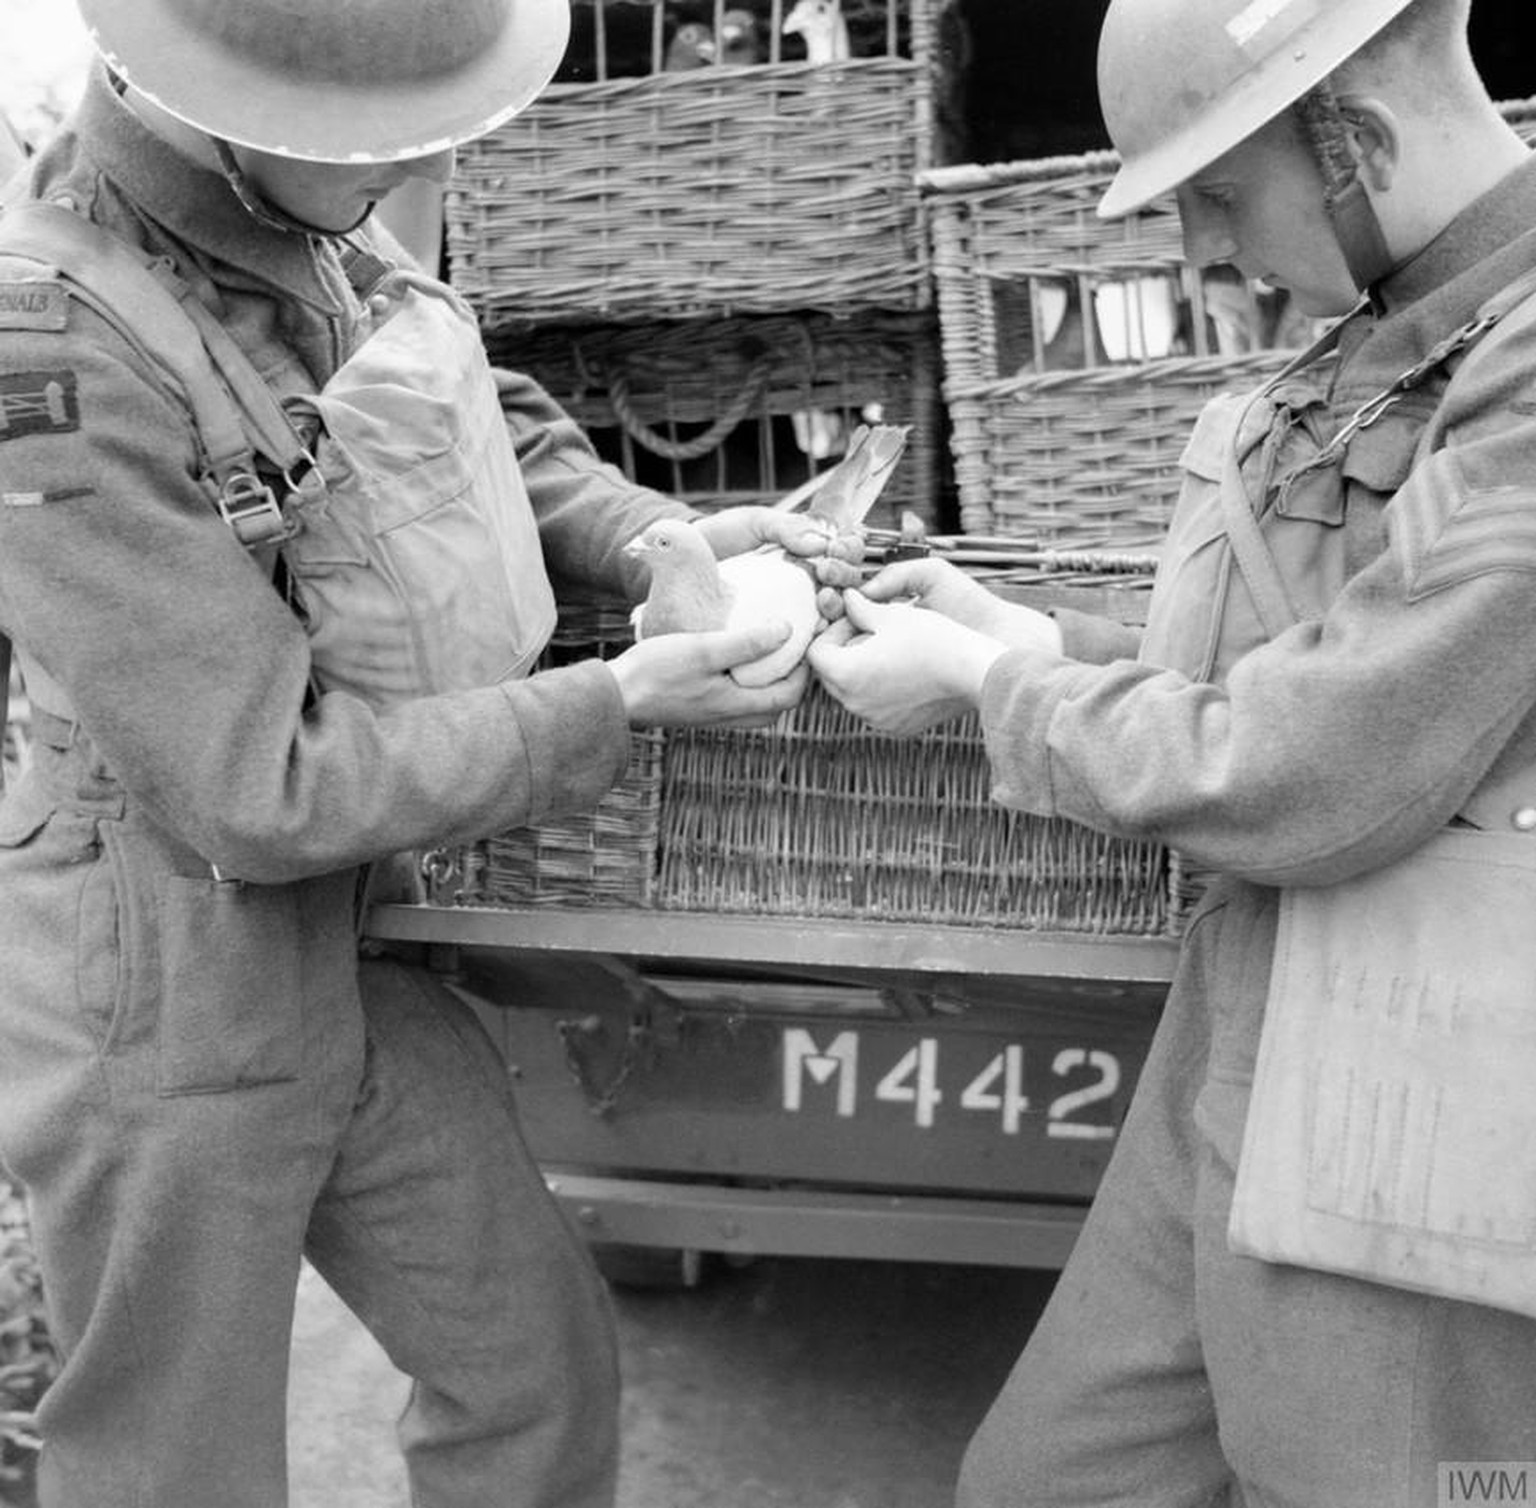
[(574, 734), (1018, 700), (1093, 639)]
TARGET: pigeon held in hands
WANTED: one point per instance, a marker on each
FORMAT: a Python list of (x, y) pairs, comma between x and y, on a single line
[(692, 592)]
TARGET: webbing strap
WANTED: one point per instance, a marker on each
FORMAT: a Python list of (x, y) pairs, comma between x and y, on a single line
[(1254, 558), (5, 695), (160, 315)]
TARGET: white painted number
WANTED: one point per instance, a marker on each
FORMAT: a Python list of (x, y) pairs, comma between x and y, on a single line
[(1066, 1105), (914, 1081), (1011, 1101)]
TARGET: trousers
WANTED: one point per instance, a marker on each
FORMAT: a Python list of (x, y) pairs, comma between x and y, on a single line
[(1167, 1372), (188, 1114)]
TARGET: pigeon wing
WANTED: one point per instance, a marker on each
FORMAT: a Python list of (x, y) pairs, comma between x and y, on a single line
[(850, 489)]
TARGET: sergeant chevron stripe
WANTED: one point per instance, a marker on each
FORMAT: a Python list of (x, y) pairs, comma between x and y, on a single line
[(1444, 535)]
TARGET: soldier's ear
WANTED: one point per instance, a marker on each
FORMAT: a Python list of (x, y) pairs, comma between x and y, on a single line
[(1375, 139)]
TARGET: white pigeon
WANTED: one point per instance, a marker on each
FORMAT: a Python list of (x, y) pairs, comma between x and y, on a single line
[(692, 592), (821, 24)]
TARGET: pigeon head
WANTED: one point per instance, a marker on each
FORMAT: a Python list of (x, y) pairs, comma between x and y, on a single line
[(686, 593), (668, 542), (692, 46), (739, 38), (813, 17)]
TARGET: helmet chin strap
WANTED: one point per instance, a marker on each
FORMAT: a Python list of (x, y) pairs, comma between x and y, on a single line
[(1349, 206), (273, 216)]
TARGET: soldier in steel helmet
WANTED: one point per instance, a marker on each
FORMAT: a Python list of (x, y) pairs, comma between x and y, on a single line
[(198, 1080), (1305, 1278)]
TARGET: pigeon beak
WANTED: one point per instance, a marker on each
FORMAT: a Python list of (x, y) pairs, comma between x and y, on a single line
[(637, 547)]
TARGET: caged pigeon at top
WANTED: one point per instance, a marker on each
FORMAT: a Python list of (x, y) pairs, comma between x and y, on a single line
[(692, 592), (741, 42), (821, 24), (692, 46)]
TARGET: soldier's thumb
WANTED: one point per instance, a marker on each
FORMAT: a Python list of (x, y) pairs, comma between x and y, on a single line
[(738, 645)]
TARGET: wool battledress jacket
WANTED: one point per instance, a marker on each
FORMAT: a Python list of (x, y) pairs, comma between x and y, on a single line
[(1404, 699), (185, 668), (178, 867)]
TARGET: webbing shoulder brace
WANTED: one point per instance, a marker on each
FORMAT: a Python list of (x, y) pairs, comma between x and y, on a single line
[(235, 414)]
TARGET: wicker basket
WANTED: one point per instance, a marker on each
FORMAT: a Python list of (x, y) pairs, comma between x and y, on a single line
[(707, 410), (606, 857), (725, 189), (821, 817), (818, 816), (1078, 352), (1089, 458)]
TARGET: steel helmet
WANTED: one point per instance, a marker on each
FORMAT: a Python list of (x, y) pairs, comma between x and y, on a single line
[(335, 80), (1181, 82)]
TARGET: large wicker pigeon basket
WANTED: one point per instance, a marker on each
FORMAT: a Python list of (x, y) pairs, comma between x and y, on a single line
[(816, 817), (756, 188), (707, 410), (1078, 352)]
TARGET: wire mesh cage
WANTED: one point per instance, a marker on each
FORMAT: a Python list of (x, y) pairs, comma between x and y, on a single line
[(755, 176), (743, 410)]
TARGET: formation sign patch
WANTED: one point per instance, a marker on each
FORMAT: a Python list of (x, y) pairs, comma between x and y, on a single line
[(38, 403)]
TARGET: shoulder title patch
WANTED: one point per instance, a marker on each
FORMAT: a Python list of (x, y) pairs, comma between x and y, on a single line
[(33, 304), (38, 403)]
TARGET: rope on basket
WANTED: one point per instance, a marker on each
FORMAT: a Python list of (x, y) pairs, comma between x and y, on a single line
[(701, 445)]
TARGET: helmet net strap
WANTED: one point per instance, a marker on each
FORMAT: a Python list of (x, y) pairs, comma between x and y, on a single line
[(1349, 206), (271, 215)]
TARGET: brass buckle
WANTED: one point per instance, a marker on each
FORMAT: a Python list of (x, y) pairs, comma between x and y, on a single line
[(252, 511)]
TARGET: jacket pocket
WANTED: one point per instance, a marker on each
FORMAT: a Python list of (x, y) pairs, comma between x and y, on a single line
[(1188, 595), (24, 812), (231, 1014)]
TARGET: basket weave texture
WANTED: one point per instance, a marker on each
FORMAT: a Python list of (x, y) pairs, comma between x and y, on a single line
[(727, 189), (691, 409), (822, 817), (603, 857), (606, 857), (1087, 458), (817, 816), (1070, 448)]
